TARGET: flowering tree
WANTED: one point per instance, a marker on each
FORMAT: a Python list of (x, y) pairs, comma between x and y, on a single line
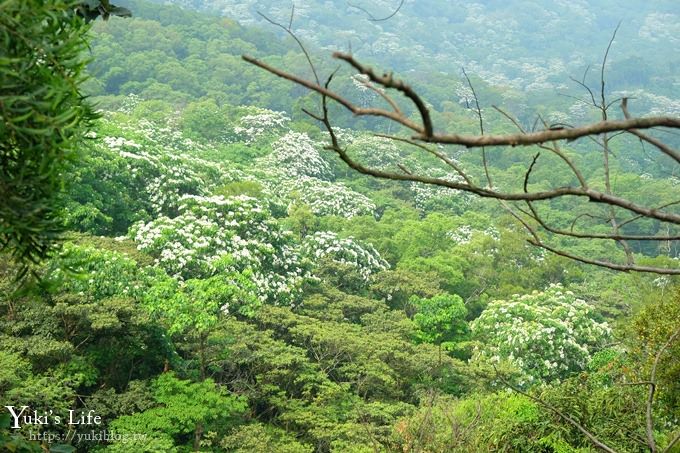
[(259, 123), (136, 170), (234, 235), (101, 273), (322, 197), (521, 200), (297, 155), (546, 335), (362, 257), (377, 152)]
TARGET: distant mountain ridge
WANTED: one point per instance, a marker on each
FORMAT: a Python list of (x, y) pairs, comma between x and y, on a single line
[(521, 44)]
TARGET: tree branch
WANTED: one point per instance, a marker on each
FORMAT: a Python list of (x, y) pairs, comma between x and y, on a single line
[(607, 264), (667, 150), (649, 427), (547, 139), (388, 81), (591, 437), (336, 97), (372, 18)]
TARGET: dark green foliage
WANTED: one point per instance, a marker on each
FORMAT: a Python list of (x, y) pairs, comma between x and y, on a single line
[(42, 59), (180, 409), (440, 320)]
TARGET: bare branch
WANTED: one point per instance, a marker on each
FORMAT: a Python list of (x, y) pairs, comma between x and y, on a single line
[(512, 119), (607, 264), (638, 217), (587, 88), (339, 99), (667, 150), (528, 173), (481, 128), (586, 214), (404, 169), (297, 40), (292, 15), (383, 95), (602, 71), (649, 427), (372, 18), (472, 141), (553, 148), (550, 135), (615, 237), (591, 437), (435, 153), (388, 81), (547, 139)]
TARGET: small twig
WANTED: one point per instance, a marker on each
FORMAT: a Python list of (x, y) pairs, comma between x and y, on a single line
[(404, 169), (372, 18), (602, 71), (652, 389), (607, 264), (528, 173), (587, 88), (383, 95), (594, 440), (481, 128), (667, 150), (435, 153)]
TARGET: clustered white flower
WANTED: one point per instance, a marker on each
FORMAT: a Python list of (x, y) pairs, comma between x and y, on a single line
[(104, 273), (232, 235), (363, 257), (425, 194), (375, 152), (163, 164), (323, 197), (661, 27), (546, 335), (463, 235), (464, 94), (656, 103), (260, 123), (296, 154), (129, 103)]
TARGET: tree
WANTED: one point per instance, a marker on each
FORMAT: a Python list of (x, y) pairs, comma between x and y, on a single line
[(614, 214), (440, 319), (182, 408), (547, 335), (595, 198), (44, 115)]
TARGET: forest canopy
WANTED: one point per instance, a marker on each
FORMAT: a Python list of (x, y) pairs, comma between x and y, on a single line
[(211, 275)]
